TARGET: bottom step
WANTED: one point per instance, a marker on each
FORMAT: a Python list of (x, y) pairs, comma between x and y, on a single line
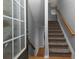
[(60, 54)]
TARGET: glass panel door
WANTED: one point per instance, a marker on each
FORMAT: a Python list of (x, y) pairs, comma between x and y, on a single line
[(14, 26), (7, 50)]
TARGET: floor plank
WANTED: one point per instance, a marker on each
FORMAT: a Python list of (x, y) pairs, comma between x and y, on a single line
[(40, 55), (41, 52), (36, 57)]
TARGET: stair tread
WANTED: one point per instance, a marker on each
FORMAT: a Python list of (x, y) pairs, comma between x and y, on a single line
[(57, 43), (56, 50), (58, 46), (55, 34), (56, 38), (54, 30), (54, 27), (60, 54)]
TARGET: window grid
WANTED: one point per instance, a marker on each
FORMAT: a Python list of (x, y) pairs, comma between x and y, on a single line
[(19, 3), (20, 21), (25, 21), (19, 27), (12, 33), (12, 18), (13, 39)]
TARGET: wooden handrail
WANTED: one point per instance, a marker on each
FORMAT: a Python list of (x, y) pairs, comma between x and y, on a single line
[(66, 24)]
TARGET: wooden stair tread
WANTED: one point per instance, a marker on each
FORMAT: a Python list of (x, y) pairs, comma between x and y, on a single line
[(57, 43), (55, 33), (57, 38), (55, 30), (60, 54), (56, 50)]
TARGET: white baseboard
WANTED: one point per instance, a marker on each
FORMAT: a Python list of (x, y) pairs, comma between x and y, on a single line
[(46, 57), (36, 52)]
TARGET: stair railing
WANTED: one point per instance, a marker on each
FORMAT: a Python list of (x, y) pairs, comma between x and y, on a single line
[(66, 24)]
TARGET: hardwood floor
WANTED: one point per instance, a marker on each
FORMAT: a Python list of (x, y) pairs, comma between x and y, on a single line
[(37, 57), (40, 55), (41, 52)]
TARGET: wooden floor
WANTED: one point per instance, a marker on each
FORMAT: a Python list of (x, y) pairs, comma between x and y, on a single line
[(40, 55), (41, 52), (37, 57)]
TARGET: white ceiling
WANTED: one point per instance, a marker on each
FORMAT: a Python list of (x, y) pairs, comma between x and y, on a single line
[(53, 3)]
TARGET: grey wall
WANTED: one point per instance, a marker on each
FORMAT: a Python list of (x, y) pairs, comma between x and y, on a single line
[(36, 22), (70, 39), (41, 37), (67, 8), (50, 16)]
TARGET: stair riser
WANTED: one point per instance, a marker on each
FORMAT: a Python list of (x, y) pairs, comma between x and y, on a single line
[(60, 55), (49, 26), (54, 32), (57, 42), (52, 23), (54, 29), (59, 46), (55, 36)]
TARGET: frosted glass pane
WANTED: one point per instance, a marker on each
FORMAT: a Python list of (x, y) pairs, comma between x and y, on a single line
[(22, 42), (22, 28), (16, 28), (17, 0), (22, 2), (7, 7), (7, 51), (16, 47), (22, 13), (15, 10), (7, 29)]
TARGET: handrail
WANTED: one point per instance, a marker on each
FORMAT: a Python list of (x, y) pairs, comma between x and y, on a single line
[(66, 24), (29, 43)]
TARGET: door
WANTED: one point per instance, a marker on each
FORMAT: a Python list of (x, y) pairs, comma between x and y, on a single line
[(14, 28)]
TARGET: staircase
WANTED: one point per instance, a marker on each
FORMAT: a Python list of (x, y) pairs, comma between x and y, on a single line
[(57, 42)]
